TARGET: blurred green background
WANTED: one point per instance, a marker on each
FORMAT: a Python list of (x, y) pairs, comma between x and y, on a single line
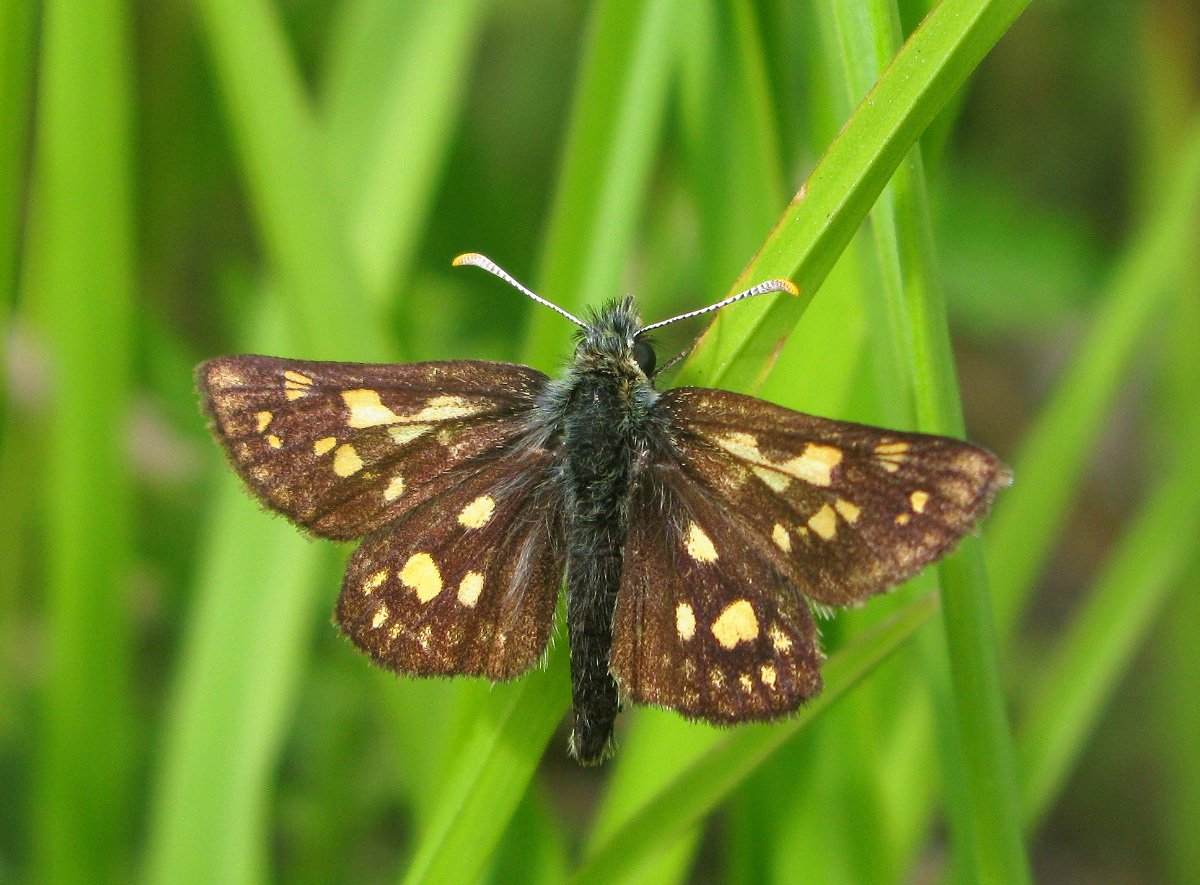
[(184, 179)]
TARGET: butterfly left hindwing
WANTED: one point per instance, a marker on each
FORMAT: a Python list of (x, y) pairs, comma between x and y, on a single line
[(466, 583)]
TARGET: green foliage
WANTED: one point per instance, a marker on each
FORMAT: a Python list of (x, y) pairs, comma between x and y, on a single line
[(295, 178)]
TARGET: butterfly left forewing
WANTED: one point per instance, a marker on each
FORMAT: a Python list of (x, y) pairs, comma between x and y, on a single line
[(342, 448), (704, 625), (844, 510)]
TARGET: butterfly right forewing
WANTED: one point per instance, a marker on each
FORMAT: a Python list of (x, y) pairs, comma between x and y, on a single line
[(844, 510)]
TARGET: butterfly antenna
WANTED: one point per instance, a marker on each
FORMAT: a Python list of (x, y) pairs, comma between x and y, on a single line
[(761, 289), (474, 258)]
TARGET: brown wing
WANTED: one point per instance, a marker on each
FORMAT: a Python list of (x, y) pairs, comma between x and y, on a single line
[(466, 582), (344, 448), (704, 625), (844, 510)]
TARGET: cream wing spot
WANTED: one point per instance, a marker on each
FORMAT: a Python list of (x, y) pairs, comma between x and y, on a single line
[(918, 500), (324, 445), (381, 616), (445, 408), (395, 489), (478, 513), (737, 623), (903, 519), (366, 409), (274, 442), (746, 683), (406, 433), (815, 464), (773, 479), (296, 385), (780, 641), (262, 419), (469, 589), (699, 545), (346, 461), (421, 575), (824, 522), (373, 583), (767, 674), (685, 621), (848, 511), (782, 539)]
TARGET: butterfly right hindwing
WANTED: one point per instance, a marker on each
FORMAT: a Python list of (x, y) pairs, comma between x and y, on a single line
[(465, 583), (704, 625)]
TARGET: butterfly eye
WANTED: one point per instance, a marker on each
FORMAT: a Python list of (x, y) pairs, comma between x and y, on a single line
[(643, 354)]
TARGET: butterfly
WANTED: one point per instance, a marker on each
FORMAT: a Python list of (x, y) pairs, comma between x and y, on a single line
[(698, 529)]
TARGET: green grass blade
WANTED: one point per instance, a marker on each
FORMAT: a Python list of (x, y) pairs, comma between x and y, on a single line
[(287, 175), (595, 214), (17, 45), (246, 645), (816, 227), (495, 764), (80, 284), (734, 172), (390, 152), (619, 108), (699, 789), (1084, 670), (1054, 453)]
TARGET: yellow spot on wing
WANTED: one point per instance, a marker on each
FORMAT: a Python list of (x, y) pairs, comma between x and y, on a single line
[(421, 575), (295, 385), (767, 673), (892, 448), (815, 464), (780, 536), (324, 444), (395, 489), (824, 522), (371, 584), (346, 461), (470, 588), (367, 410), (736, 624), (774, 480), (685, 621), (445, 408), (746, 682), (902, 519), (263, 418), (404, 433), (380, 618), (274, 442), (699, 545), (780, 641), (848, 511), (478, 513), (918, 501), (741, 445)]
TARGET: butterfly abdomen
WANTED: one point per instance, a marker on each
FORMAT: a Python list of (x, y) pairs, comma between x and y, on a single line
[(600, 443)]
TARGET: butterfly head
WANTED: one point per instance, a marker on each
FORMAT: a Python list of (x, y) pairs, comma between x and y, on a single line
[(612, 339)]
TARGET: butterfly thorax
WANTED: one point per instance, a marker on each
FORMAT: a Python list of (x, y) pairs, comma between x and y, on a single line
[(603, 408)]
